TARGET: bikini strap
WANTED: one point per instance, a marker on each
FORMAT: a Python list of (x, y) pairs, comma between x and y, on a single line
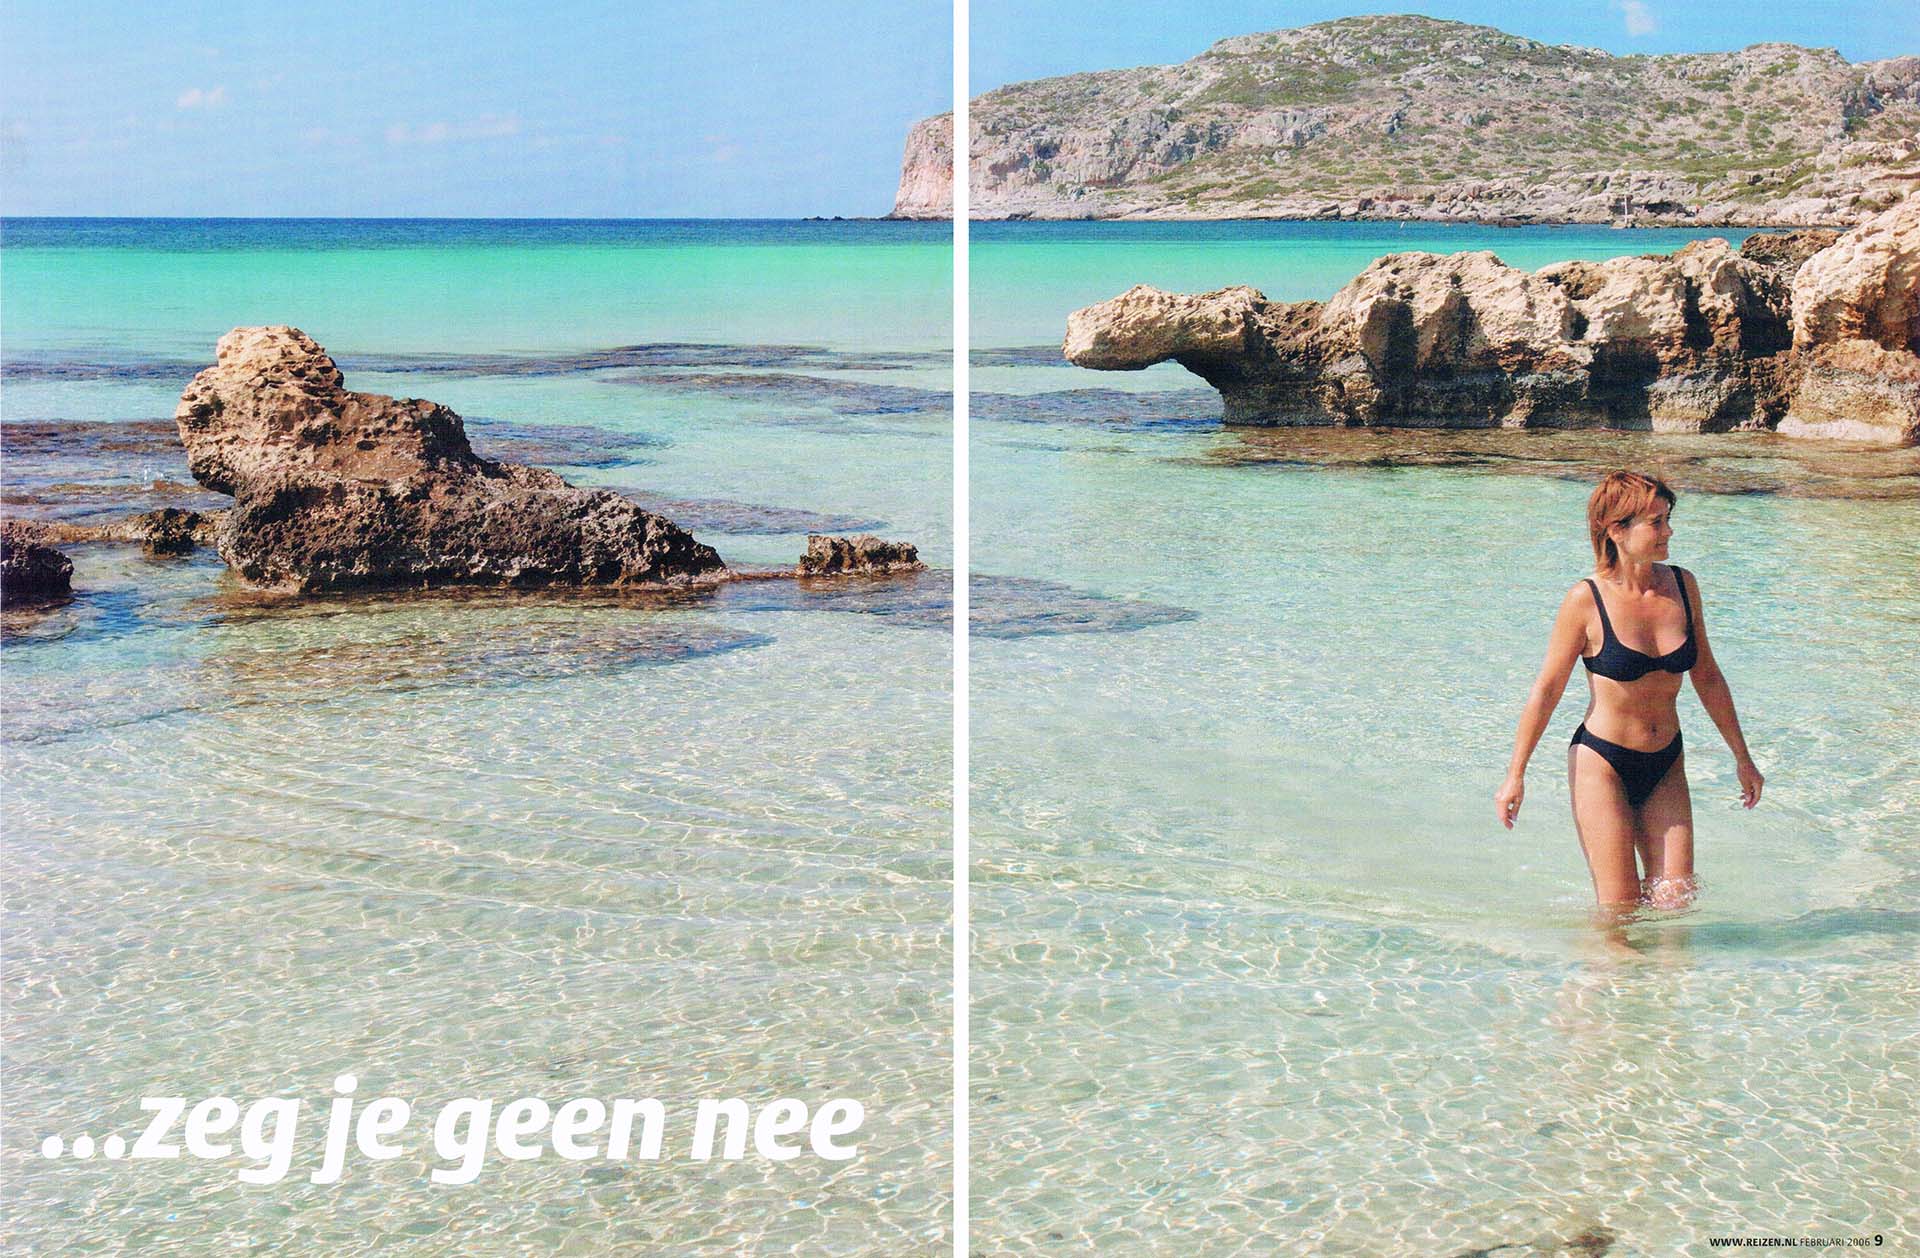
[(1606, 625), (1680, 579)]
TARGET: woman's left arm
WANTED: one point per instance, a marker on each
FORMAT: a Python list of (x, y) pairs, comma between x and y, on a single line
[(1711, 685)]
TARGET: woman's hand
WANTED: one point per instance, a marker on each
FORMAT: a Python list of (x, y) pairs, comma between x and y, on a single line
[(1508, 797), (1750, 783)]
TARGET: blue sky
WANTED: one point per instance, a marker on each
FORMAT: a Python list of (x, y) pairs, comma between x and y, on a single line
[(1015, 40), (635, 108), (622, 109)]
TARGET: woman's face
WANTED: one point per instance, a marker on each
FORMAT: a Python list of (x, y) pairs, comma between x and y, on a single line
[(1644, 538)]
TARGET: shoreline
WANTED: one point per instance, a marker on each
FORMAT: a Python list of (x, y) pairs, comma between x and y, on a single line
[(1448, 220)]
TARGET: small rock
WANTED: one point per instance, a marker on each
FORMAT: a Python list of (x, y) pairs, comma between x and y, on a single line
[(832, 556), (169, 531), (30, 571)]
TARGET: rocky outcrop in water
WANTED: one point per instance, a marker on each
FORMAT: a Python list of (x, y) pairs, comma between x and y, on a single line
[(30, 570), (1856, 333), (172, 531), (833, 556), (1703, 340), (166, 531), (334, 489), (1408, 117)]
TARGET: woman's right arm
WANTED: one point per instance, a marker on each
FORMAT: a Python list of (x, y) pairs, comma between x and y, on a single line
[(1567, 644)]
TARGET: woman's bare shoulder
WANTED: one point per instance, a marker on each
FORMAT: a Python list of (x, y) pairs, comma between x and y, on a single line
[(1576, 605)]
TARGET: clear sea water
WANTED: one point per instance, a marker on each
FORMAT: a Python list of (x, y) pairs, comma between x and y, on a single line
[(1256, 970), (488, 845)]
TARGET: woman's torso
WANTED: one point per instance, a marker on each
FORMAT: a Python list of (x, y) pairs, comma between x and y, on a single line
[(1648, 641)]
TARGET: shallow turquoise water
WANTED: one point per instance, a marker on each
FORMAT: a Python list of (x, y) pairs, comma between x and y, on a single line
[(1256, 970), (491, 845)]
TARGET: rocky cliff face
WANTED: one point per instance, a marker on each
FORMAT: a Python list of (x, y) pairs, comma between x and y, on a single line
[(1811, 342), (926, 172), (1410, 117)]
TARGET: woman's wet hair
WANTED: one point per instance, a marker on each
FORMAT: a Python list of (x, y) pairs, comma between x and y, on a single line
[(1617, 500)]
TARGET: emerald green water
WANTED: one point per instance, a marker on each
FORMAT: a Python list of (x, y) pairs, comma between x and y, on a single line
[(1256, 969), (535, 291)]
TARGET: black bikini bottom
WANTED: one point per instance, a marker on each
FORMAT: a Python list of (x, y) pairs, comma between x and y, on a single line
[(1640, 771)]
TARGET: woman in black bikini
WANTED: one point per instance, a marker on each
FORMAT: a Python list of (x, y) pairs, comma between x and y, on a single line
[(1625, 766)]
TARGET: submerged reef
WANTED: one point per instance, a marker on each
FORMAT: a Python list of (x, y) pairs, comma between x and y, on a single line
[(1809, 335)]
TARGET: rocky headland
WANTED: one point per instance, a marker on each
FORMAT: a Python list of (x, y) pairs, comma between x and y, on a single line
[(1809, 334), (1407, 117)]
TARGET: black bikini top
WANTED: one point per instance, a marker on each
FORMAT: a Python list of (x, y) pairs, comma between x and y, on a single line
[(1620, 662)]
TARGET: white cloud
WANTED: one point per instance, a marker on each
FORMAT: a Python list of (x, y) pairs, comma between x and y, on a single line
[(201, 98), (485, 127), (1640, 19)]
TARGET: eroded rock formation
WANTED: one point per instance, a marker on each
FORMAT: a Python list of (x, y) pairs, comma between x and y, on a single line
[(1812, 341), (30, 570), (1856, 333), (334, 489), (832, 556)]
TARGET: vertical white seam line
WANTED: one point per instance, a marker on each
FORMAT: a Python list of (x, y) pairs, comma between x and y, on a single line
[(962, 932)]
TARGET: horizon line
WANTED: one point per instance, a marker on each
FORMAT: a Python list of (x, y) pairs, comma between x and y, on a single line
[(478, 218)]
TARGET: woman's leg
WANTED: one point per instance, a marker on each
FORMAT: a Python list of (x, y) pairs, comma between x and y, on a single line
[(1606, 827), (1665, 839)]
